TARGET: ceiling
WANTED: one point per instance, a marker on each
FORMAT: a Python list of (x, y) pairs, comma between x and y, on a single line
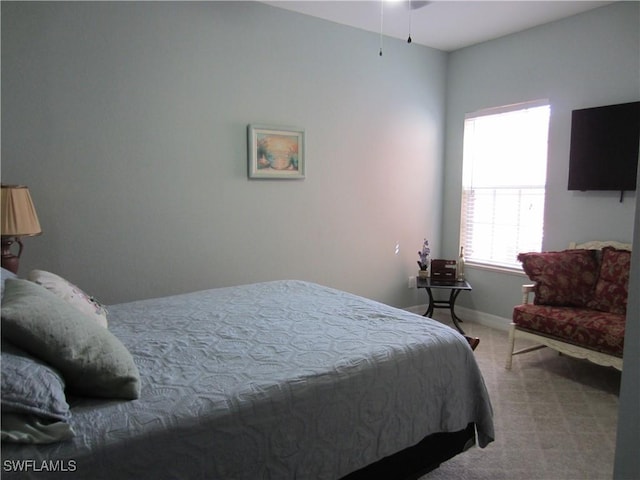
[(443, 24)]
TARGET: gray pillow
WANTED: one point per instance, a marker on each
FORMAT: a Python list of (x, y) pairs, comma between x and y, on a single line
[(91, 359), (6, 274), (30, 386)]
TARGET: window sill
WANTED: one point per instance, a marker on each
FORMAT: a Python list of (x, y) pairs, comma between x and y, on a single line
[(496, 268)]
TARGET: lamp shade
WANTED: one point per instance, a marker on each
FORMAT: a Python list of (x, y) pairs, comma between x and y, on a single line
[(19, 216)]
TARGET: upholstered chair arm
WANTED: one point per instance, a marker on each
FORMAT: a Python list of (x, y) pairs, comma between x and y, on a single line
[(526, 290)]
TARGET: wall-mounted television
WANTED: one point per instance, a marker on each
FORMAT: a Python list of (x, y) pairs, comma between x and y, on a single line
[(604, 147)]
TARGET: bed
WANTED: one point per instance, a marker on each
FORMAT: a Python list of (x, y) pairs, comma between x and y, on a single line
[(275, 380)]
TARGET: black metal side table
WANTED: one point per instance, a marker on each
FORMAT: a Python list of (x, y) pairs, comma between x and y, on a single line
[(455, 289)]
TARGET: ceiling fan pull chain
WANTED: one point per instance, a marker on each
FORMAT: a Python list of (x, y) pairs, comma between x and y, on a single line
[(410, 14), (381, 19)]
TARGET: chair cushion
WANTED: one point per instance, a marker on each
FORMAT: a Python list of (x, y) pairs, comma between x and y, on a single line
[(565, 278), (600, 331), (612, 286)]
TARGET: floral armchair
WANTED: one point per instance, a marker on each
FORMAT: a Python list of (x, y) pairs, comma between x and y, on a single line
[(579, 303)]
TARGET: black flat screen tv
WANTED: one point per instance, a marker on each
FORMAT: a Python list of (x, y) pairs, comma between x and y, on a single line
[(604, 147)]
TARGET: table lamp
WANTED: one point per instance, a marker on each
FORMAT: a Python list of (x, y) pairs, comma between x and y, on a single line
[(18, 219)]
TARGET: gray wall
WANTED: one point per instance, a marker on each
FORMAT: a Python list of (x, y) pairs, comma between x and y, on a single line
[(587, 60), (128, 123)]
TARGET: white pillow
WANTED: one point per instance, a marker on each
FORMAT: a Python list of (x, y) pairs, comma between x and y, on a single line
[(71, 293)]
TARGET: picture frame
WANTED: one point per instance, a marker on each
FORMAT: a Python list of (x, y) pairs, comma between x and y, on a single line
[(276, 152)]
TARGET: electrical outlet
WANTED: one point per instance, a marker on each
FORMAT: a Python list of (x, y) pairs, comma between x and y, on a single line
[(412, 282)]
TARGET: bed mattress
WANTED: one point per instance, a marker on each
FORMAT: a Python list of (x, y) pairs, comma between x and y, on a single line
[(275, 380)]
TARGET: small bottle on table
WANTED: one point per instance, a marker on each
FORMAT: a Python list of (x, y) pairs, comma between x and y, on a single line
[(460, 266)]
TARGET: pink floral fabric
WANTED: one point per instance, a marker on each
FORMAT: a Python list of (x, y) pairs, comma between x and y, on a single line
[(600, 331), (565, 278), (612, 286)]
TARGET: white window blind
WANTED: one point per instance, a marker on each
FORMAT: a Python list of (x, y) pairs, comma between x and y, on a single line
[(503, 184)]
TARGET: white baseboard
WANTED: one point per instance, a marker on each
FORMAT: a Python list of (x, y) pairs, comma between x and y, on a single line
[(468, 315), (482, 318)]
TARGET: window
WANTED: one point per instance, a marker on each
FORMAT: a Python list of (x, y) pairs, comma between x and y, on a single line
[(503, 183)]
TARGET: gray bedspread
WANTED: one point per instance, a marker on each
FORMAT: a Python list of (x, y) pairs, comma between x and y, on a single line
[(277, 380)]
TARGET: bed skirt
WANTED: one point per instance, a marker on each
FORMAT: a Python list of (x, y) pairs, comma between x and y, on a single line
[(414, 462)]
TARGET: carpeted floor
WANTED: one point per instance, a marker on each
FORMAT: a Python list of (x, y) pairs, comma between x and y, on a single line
[(555, 417)]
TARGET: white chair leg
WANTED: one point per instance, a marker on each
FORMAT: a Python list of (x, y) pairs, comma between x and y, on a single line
[(512, 341)]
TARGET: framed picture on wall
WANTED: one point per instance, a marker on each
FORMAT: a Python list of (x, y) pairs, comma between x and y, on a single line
[(276, 152)]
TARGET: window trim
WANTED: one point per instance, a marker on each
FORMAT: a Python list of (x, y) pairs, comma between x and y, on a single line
[(515, 107)]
